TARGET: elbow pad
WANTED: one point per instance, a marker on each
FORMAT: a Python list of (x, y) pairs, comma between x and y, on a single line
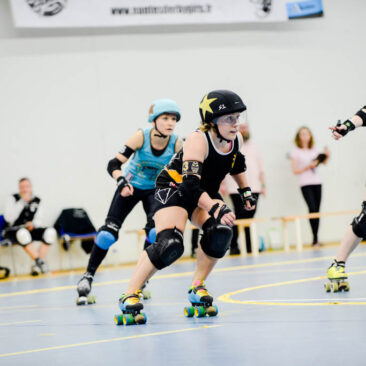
[(190, 189), (362, 115), (238, 166), (113, 164)]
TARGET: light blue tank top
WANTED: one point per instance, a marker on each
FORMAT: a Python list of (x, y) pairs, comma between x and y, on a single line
[(144, 167)]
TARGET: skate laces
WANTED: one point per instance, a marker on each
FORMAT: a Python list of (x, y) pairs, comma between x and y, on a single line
[(131, 299), (199, 288)]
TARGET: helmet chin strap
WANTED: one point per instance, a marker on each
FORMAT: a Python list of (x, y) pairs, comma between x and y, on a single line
[(222, 138), (159, 134)]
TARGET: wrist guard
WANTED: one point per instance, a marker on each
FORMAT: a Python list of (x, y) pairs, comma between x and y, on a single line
[(121, 182), (246, 196), (350, 127), (223, 210)]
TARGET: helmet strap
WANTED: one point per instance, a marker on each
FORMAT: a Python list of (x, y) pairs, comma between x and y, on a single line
[(159, 134), (222, 138)]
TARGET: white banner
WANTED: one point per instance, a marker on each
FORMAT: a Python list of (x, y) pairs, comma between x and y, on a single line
[(121, 13)]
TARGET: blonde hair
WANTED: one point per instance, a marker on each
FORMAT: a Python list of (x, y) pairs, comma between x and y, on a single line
[(205, 126), (297, 138)]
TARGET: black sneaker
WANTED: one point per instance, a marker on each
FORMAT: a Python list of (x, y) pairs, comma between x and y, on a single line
[(234, 251)]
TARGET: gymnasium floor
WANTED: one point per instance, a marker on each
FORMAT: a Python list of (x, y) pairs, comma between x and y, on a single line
[(273, 310)]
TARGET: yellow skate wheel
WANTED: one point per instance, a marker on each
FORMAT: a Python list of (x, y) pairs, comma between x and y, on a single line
[(335, 287), (189, 311), (200, 311), (128, 319), (118, 319), (327, 287), (92, 299)]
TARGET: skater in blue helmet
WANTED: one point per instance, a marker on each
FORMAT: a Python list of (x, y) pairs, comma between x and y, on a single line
[(151, 148), (357, 230), (188, 188)]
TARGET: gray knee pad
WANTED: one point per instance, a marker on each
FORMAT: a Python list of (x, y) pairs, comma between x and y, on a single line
[(23, 236), (359, 223), (167, 248), (50, 236), (216, 238)]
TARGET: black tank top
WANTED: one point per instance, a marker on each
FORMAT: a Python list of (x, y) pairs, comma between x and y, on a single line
[(214, 169)]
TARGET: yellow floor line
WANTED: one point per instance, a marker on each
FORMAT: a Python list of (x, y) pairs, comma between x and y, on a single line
[(23, 322), (107, 340), (112, 267), (228, 296), (177, 275)]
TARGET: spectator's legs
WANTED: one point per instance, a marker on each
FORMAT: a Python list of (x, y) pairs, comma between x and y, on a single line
[(312, 196)]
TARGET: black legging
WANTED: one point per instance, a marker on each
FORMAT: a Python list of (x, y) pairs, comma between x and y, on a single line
[(240, 213), (118, 211), (313, 196)]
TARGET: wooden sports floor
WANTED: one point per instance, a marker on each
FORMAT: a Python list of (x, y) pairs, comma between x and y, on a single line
[(273, 310)]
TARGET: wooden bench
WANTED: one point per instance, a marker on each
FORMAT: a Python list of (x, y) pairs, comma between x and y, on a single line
[(241, 223), (296, 219)]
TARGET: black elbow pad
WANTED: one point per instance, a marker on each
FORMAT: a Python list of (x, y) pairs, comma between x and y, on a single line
[(238, 166), (113, 164), (362, 115)]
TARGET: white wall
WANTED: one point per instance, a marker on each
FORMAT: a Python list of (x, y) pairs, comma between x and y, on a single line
[(70, 98)]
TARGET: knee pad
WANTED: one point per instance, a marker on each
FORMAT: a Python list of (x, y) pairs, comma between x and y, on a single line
[(111, 227), (49, 235), (216, 238), (167, 249), (23, 236), (104, 240), (359, 223)]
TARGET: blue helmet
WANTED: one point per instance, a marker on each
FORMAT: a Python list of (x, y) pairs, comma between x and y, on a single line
[(162, 106)]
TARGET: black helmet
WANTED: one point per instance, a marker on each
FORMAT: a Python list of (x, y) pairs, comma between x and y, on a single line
[(220, 102)]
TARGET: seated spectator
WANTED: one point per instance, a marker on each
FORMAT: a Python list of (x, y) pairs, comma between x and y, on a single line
[(23, 214)]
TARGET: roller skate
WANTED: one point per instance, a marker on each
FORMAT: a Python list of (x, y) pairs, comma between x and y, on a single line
[(201, 302), (131, 310), (337, 276), (146, 294), (83, 289)]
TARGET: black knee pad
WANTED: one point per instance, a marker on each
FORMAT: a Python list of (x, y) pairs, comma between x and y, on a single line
[(216, 238), (359, 223), (167, 248), (111, 227)]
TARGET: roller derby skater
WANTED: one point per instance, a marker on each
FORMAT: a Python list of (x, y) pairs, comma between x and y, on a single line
[(151, 148), (357, 230), (188, 188)]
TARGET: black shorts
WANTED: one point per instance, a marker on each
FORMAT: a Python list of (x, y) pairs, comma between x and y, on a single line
[(169, 197), (36, 234)]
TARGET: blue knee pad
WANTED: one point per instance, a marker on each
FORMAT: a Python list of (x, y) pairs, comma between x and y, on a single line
[(151, 237), (104, 240)]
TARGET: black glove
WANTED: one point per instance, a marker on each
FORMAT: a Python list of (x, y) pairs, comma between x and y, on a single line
[(121, 182), (223, 210), (350, 127), (320, 158), (246, 196)]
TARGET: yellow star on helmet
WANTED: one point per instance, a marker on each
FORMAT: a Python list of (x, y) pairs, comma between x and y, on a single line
[(205, 105)]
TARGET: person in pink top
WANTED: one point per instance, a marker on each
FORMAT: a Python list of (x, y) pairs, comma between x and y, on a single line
[(305, 159), (255, 175)]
